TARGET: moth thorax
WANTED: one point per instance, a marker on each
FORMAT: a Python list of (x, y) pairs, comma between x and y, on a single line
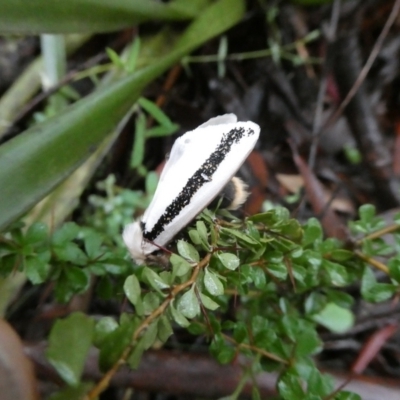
[(233, 195)]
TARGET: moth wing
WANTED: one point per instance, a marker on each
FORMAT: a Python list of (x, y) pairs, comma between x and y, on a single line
[(194, 151), (182, 146), (189, 152), (220, 120)]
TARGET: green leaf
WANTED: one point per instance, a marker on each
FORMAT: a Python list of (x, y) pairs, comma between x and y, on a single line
[(180, 266), (9, 263), (342, 255), (239, 235), (140, 140), (153, 279), (230, 261), (312, 232), (178, 317), (320, 384), (69, 231), (187, 251), (335, 318), (150, 335), (195, 237), (69, 343), (37, 268), (114, 57), (71, 281), (103, 328), (115, 343), (290, 388), (343, 395), (161, 130), (278, 270), (307, 340), (337, 273), (394, 268), (93, 242), (164, 329), (72, 392), (136, 355), (188, 304), (202, 230), (133, 55), (212, 283), (208, 303), (226, 354), (132, 289), (71, 252), (240, 333), (155, 111), (373, 291), (150, 302), (83, 16), (367, 213), (342, 299), (36, 233), (258, 277)]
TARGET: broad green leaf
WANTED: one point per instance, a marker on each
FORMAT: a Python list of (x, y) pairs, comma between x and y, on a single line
[(69, 343), (78, 16)]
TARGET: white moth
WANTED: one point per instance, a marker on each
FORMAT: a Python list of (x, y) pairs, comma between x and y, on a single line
[(200, 165)]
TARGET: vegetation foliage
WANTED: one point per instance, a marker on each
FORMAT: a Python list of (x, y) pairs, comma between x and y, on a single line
[(282, 281)]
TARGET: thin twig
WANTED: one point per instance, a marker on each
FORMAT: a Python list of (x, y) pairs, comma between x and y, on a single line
[(317, 123)]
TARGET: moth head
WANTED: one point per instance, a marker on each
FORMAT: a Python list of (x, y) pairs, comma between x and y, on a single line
[(138, 246)]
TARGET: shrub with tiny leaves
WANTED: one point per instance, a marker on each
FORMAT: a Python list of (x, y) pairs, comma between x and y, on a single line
[(287, 280)]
